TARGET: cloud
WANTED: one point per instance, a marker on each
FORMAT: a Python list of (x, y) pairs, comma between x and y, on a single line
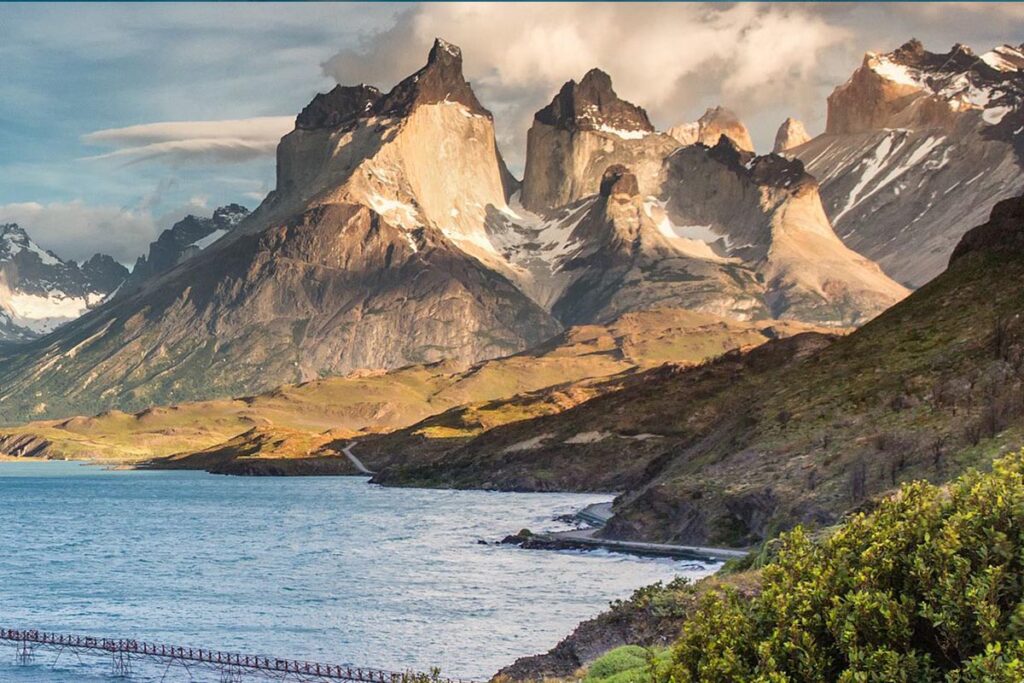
[(673, 59), (184, 142), (76, 230)]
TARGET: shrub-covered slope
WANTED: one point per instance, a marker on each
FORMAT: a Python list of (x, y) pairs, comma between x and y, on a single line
[(927, 587)]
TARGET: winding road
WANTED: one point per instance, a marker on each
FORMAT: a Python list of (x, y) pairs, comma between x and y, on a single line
[(356, 462)]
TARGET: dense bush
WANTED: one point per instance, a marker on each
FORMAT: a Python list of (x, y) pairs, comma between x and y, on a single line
[(928, 587), (631, 660)]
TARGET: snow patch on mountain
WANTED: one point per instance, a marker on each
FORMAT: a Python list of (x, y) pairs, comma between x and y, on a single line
[(44, 313), (400, 214), (204, 242), (622, 133)]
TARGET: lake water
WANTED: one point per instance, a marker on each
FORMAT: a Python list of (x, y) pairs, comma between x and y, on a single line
[(328, 569)]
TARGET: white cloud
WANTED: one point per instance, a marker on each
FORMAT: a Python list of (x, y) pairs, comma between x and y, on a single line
[(227, 141), (76, 230), (668, 57)]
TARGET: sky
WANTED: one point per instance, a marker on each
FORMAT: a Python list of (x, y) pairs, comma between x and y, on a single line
[(118, 119)]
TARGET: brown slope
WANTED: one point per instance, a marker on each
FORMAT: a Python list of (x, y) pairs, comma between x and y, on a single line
[(379, 401)]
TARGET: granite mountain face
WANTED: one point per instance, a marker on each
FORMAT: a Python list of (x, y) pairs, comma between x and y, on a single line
[(918, 148), (712, 228)]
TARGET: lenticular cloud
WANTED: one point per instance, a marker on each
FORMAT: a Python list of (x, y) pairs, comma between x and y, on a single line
[(227, 141)]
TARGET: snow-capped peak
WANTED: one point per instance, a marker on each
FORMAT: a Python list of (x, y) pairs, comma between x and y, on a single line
[(14, 240), (1004, 58)]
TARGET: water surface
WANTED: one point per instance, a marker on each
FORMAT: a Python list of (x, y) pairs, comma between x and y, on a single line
[(323, 568)]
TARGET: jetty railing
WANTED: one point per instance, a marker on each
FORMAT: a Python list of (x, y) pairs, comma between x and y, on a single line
[(231, 665)]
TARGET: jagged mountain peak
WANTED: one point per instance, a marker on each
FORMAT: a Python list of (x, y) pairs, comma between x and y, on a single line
[(11, 229), (441, 80), (790, 134), (183, 240), (913, 88), (714, 123), (1005, 57), (39, 291), (917, 148), (342, 107), (230, 215), (15, 240), (592, 104), (585, 128), (104, 273)]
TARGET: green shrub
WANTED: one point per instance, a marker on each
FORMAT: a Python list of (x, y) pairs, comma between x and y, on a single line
[(617, 661), (927, 587)]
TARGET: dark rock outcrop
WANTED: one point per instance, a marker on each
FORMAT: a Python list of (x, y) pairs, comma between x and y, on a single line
[(592, 104), (180, 242), (617, 180), (441, 80), (342, 107), (103, 273), (1004, 231)]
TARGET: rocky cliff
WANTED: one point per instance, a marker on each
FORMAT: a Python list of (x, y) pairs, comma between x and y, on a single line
[(918, 148), (585, 129), (766, 212)]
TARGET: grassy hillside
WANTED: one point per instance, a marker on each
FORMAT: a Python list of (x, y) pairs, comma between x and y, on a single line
[(373, 402), (796, 431)]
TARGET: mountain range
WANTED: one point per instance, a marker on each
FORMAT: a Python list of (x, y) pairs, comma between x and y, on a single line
[(366, 257), (918, 147), (39, 291)]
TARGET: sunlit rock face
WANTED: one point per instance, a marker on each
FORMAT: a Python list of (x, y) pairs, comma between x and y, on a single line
[(790, 134), (585, 129), (709, 128)]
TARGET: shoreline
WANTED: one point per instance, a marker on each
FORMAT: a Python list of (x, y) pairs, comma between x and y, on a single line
[(595, 515)]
